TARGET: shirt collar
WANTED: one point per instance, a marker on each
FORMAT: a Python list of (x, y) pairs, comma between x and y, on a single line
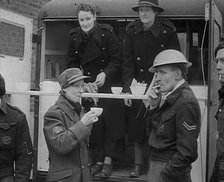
[(3, 106), (181, 82), (155, 29)]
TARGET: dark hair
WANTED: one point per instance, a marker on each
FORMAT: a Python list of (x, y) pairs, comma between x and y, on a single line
[(86, 8), (220, 46), (2, 86), (182, 67)]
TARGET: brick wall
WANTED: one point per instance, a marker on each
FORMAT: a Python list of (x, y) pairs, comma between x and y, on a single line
[(28, 8)]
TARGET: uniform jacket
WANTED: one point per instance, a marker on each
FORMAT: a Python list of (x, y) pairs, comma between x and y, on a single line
[(99, 52), (66, 139), (220, 123), (218, 170), (15, 144), (174, 128), (141, 47)]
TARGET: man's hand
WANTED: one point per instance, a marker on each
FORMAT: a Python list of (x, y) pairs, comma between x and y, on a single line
[(154, 98)]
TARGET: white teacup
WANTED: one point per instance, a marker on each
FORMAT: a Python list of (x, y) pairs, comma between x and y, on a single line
[(97, 110), (116, 90)]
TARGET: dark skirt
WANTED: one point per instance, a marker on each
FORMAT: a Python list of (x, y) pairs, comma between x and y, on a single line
[(136, 124), (111, 124)]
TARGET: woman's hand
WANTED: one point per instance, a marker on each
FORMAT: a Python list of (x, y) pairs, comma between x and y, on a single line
[(127, 102), (100, 79), (89, 118), (91, 88)]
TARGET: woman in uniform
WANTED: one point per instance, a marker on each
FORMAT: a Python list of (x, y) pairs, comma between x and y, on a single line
[(95, 49), (145, 38)]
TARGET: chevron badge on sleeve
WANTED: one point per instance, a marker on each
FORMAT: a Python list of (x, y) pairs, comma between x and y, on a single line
[(188, 127)]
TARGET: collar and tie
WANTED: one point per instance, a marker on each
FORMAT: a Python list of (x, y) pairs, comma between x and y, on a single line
[(165, 95)]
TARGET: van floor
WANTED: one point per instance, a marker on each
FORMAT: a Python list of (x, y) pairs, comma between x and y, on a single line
[(121, 174), (123, 160)]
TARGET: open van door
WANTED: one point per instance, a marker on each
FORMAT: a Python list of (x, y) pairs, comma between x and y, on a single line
[(15, 57), (215, 35)]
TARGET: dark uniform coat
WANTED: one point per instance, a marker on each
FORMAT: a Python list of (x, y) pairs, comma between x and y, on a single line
[(218, 171), (98, 52), (66, 139), (15, 144), (174, 129), (141, 47)]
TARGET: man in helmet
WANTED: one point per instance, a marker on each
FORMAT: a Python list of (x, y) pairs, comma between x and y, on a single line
[(16, 151), (218, 171), (173, 120)]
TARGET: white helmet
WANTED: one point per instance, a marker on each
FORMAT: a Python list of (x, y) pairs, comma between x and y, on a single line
[(169, 56)]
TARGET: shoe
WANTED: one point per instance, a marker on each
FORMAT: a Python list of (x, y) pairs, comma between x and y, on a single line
[(136, 171), (96, 169), (106, 171)]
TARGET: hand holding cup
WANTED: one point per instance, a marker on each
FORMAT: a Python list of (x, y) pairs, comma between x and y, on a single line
[(89, 118)]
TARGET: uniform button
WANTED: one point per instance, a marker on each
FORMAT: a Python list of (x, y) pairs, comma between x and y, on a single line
[(74, 39), (104, 48), (141, 70), (76, 52), (88, 73), (102, 35), (102, 60), (138, 58), (162, 45), (101, 70), (164, 31), (220, 110), (83, 167), (217, 136)]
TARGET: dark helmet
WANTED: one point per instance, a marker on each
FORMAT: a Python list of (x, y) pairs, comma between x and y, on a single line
[(2, 86), (149, 3)]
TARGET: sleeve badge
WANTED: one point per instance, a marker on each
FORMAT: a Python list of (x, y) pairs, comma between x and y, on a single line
[(189, 127), (6, 140), (57, 130)]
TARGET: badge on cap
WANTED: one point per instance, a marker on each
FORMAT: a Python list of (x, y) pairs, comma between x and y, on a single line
[(6, 140), (57, 130)]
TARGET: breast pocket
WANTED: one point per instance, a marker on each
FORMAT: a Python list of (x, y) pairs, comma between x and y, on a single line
[(166, 127), (7, 135)]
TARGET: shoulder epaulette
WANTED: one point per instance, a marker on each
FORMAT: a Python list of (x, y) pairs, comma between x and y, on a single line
[(106, 27), (74, 30), (15, 108), (131, 25), (169, 24)]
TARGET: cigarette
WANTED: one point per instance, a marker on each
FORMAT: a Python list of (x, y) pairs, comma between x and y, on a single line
[(156, 86)]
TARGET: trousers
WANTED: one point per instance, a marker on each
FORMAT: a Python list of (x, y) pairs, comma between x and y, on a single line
[(7, 179), (155, 169)]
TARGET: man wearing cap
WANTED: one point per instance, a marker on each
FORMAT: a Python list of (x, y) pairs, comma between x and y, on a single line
[(144, 39), (173, 119), (218, 171), (66, 130), (16, 151)]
